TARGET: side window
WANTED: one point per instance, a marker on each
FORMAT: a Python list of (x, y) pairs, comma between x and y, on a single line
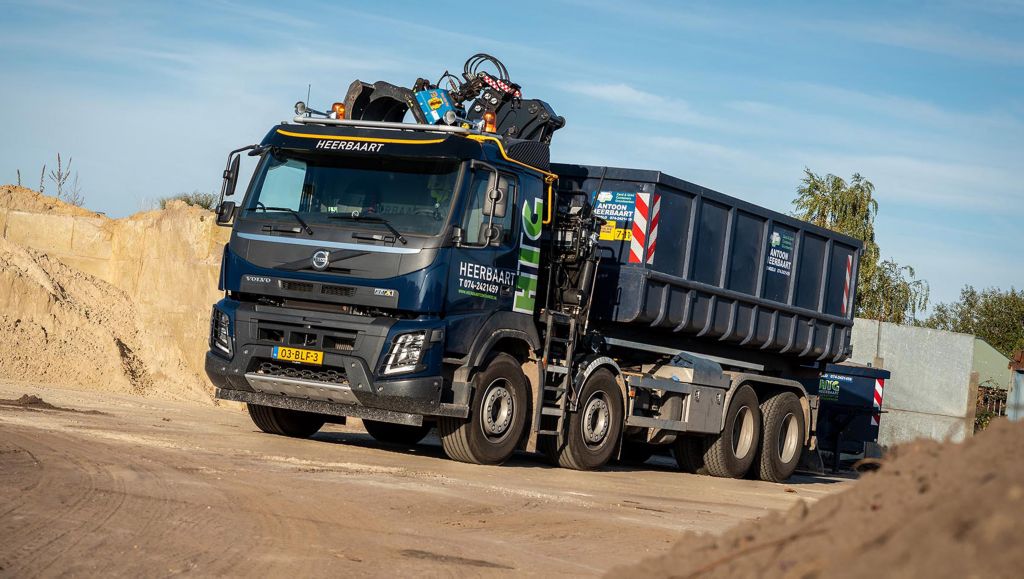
[(474, 221), (508, 184), (478, 220)]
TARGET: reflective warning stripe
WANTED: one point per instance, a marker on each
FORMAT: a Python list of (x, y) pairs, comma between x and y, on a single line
[(652, 238), (639, 240), (879, 386), (846, 286)]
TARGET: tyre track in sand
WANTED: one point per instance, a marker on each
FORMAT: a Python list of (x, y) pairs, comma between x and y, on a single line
[(156, 489)]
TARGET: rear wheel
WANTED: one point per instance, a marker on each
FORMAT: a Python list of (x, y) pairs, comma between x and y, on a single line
[(285, 422), (593, 432), (689, 453), (783, 439), (396, 433), (497, 415), (732, 452)]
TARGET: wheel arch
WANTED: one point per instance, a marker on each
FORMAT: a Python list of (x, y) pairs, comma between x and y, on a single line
[(504, 332), (595, 362)]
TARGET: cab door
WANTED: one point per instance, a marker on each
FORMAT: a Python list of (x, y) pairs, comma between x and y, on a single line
[(483, 269)]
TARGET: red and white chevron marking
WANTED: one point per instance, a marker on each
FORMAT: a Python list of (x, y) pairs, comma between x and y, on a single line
[(879, 386), (652, 237), (639, 241), (846, 286), (498, 84)]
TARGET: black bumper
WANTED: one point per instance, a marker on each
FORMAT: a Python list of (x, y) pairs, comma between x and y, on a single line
[(343, 385), (413, 396)]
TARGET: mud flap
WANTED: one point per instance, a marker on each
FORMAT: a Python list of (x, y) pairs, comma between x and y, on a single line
[(810, 462)]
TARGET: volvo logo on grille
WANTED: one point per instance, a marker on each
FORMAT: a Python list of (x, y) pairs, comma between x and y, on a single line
[(321, 259)]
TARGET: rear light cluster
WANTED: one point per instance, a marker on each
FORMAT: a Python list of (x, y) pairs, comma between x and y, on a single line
[(220, 332)]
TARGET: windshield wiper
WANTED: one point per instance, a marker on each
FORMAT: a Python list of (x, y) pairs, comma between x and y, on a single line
[(293, 213), (371, 219)]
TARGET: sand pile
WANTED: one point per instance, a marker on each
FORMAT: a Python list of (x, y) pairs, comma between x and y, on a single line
[(25, 199), (932, 510), (65, 327)]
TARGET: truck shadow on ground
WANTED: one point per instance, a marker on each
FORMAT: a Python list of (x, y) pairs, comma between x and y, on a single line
[(430, 447)]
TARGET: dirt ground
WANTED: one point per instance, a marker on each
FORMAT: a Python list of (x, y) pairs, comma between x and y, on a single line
[(119, 485)]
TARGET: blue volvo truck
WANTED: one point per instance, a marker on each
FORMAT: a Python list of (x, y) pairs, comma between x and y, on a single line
[(449, 276)]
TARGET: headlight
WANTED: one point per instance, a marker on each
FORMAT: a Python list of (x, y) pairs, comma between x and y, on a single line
[(220, 331), (405, 353)]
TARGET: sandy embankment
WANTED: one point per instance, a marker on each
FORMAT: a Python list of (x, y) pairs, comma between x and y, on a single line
[(112, 305)]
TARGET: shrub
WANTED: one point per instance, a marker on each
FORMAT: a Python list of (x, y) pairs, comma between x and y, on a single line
[(196, 198)]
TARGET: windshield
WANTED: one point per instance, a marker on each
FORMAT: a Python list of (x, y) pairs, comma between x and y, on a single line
[(412, 195)]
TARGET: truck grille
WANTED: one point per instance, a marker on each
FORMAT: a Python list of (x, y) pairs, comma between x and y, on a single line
[(296, 286), (338, 290), (325, 374)]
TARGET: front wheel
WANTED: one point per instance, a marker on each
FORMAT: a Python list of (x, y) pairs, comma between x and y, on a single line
[(593, 432), (733, 451), (497, 415), (396, 433), (285, 422), (783, 439)]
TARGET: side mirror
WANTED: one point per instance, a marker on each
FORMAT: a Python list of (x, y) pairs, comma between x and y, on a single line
[(225, 212), (227, 187), (497, 203)]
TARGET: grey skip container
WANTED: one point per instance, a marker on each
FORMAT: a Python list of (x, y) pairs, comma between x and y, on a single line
[(692, 268)]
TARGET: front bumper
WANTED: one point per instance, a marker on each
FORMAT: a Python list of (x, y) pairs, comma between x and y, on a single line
[(344, 385)]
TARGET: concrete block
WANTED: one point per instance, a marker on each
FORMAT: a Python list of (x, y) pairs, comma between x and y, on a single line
[(929, 393), (899, 426)]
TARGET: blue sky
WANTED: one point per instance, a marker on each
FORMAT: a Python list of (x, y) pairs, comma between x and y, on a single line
[(924, 99)]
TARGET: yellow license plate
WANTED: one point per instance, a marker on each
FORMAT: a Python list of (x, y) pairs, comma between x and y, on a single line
[(298, 355)]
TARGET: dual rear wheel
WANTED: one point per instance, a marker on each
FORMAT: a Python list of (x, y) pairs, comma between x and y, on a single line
[(759, 438)]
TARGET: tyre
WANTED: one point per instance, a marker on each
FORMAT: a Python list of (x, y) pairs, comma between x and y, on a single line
[(783, 440), (635, 453), (731, 453), (497, 415), (285, 422), (396, 433), (592, 436), (689, 453)]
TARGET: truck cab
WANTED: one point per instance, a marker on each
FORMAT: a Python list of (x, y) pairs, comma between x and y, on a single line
[(370, 271)]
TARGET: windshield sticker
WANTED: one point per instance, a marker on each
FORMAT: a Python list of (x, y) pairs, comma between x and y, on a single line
[(780, 253), (615, 207), (529, 256), (484, 281), (349, 146)]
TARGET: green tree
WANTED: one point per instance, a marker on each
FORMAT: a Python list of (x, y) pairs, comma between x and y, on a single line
[(886, 290), (994, 315)]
